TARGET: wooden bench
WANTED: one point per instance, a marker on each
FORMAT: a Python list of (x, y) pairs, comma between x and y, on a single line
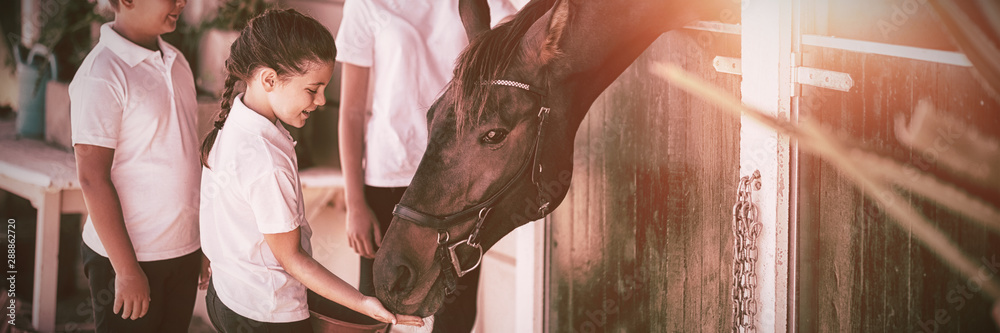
[(46, 176)]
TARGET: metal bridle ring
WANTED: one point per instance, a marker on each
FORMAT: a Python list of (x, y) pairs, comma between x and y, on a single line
[(443, 237)]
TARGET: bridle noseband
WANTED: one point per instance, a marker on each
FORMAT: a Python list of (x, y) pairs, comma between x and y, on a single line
[(447, 252)]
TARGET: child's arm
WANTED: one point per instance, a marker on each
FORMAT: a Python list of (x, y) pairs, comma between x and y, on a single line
[(131, 286), (363, 233), (287, 249)]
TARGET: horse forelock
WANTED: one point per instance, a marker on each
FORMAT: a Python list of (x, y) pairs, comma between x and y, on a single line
[(488, 58)]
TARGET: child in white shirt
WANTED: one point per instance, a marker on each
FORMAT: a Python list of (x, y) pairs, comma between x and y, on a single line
[(134, 118), (252, 219)]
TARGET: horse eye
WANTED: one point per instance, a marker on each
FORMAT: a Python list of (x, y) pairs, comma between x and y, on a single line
[(494, 136)]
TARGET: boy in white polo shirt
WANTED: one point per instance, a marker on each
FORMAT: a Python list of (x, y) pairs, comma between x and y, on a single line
[(134, 117)]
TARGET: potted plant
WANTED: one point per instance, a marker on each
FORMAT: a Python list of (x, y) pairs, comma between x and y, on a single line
[(69, 34), (218, 35), (64, 39)]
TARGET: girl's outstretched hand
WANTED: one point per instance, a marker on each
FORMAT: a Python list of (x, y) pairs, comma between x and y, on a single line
[(373, 308)]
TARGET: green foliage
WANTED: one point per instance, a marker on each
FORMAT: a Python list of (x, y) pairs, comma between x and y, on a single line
[(67, 33), (231, 15), (234, 14), (10, 24)]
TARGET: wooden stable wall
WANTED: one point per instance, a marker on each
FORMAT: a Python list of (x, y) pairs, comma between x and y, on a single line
[(643, 241), (858, 271)]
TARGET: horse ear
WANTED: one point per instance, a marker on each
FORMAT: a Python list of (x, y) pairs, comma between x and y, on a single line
[(475, 15), (557, 25)]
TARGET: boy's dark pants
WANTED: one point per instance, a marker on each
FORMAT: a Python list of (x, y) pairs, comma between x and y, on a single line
[(173, 285), (458, 313)]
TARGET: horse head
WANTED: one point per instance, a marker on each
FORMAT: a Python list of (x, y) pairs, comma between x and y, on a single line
[(501, 135)]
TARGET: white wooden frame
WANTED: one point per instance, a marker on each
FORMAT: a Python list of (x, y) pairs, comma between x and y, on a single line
[(900, 51), (767, 85), (531, 273)]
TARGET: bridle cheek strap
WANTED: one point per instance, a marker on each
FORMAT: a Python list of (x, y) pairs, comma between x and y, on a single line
[(536, 173)]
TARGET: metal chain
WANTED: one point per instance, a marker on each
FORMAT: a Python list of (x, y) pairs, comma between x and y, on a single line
[(746, 228)]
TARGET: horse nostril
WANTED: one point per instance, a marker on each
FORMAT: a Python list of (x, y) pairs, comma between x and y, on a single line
[(404, 277)]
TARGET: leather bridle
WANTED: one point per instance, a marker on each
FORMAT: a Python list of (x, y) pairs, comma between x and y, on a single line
[(447, 251)]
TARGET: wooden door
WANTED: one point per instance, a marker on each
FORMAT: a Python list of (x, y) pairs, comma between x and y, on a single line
[(858, 271), (642, 242)]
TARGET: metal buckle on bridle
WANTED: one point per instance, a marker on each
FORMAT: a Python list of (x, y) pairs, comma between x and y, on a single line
[(472, 241), (543, 203)]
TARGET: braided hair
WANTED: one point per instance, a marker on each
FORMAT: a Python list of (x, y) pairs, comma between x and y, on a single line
[(284, 40)]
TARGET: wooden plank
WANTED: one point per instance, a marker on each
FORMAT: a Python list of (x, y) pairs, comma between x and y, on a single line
[(35, 162), (834, 276), (683, 207), (874, 103), (631, 169), (673, 190), (909, 52), (18, 187), (716, 196)]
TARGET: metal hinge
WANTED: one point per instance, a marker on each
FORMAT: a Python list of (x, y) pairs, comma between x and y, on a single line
[(727, 65), (823, 78), (819, 77), (802, 75)]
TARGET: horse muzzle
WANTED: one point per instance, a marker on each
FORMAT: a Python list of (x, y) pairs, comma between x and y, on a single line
[(403, 288)]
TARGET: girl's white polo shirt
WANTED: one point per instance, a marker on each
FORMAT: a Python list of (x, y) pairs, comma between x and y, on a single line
[(252, 189)]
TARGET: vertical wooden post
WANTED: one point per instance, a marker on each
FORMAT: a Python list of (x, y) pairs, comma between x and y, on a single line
[(43, 306), (766, 60)]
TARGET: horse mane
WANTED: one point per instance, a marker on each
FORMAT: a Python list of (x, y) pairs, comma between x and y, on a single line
[(487, 58)]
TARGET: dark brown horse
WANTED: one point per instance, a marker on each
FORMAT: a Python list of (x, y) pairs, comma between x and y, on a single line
[(501, 136)]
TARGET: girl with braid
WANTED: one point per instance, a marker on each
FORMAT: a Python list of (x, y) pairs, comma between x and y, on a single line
[(253, 224)]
